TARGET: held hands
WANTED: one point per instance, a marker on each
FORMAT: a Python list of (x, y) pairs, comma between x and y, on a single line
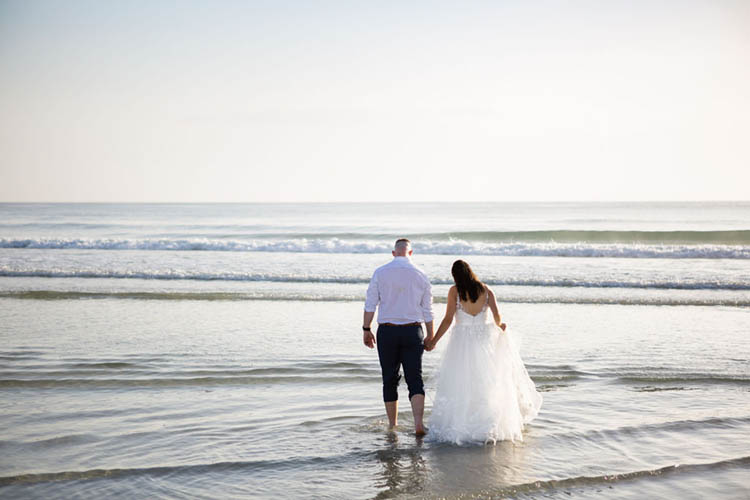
[(429, 343)]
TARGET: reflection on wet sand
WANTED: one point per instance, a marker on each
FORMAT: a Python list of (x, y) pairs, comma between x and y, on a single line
[(404, 469), (456, 469), (413, 468)]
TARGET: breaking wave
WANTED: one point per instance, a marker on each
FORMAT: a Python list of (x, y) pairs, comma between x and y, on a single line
[(344, 297), (667, 284), (542, 244)]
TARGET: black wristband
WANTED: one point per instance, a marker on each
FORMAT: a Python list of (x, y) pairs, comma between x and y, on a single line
[(366, 328)]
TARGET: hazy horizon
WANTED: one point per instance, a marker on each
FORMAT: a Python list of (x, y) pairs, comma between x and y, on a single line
[(352, 202), (155, 102)]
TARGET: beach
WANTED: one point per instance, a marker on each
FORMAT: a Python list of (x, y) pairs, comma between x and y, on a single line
[(214, 350)]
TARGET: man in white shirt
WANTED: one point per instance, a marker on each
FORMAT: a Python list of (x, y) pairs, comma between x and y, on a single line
[(404, 295)]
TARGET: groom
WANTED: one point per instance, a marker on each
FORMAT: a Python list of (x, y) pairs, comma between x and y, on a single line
[(404, 295)]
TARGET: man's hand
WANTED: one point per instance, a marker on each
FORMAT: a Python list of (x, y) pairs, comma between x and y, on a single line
[(428, 343), (502, 326), (369, 339)]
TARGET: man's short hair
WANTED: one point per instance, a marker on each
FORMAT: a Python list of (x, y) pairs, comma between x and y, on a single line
[(402, 243)]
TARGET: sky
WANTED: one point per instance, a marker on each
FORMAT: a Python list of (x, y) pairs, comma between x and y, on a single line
[(266, 101)]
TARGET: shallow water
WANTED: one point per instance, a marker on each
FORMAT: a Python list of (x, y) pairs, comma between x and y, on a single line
[(232, 398), (212, 351)]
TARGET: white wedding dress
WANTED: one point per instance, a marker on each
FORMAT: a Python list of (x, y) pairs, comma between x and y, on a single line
[(483, 391)]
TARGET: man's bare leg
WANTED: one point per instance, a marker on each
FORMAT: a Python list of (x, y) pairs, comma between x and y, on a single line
[(391, 409), (417, 408)]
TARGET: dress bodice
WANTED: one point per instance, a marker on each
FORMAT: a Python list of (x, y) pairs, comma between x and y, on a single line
[(464, 318)]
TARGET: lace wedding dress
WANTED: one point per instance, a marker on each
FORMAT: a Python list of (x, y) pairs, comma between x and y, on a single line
[(483, 392)]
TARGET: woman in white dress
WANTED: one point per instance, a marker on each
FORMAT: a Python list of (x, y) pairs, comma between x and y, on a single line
[(484, 393)]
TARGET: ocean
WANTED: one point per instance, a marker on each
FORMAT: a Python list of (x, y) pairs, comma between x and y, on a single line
[(215, 350)]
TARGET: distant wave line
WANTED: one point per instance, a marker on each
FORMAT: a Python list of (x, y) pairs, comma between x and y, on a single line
[(180, 382), (723, 237), (692, 378), (72, 375), (542, 247), (319, 377), (283, 278), (300, 297), (62, 372), (728, 237)]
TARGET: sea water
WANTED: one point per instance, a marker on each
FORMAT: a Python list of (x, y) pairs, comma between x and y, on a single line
[(214, 350)]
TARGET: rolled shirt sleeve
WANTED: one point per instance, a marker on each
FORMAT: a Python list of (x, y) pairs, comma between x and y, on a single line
[(426, 302), (373, 297)]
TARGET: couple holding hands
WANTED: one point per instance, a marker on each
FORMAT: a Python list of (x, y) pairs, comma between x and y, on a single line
[(483, 391)]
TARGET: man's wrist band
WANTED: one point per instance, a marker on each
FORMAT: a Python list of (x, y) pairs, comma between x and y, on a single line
[(366, 328)]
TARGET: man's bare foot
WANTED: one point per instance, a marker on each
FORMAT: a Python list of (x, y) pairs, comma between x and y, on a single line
[(420, 431)]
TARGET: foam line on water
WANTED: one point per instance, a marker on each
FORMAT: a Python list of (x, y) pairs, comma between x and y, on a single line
[(176, 274), (542, 247), (281, 297)]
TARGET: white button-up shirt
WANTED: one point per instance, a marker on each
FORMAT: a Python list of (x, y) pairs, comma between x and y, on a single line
[(403, 292)]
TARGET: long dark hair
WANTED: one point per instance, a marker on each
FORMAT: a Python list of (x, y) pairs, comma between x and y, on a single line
[(467, 283)]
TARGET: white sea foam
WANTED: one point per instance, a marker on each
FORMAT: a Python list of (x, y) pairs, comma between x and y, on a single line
[(331, 296), (434, 247), (177, 274)]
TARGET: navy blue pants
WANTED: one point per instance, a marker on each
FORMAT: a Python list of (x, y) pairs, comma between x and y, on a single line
[(400, 346)]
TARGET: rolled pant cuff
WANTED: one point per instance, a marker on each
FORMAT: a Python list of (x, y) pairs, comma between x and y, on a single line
[(415, 393)]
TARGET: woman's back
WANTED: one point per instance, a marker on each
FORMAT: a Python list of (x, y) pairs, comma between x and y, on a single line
[(473, 308)]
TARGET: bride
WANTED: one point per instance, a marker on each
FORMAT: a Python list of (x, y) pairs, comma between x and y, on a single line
[(484, 393)]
